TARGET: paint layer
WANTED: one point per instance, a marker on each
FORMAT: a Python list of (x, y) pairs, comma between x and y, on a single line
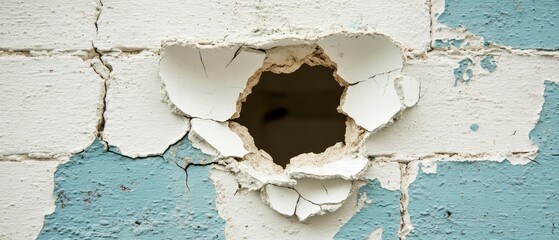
[(488, 63), (382, 212), (463, 73), (448, 43), (523, 24), (101, 194), (466, 200)]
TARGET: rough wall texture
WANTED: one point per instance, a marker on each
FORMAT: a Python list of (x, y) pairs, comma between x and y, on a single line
[(89, 148)]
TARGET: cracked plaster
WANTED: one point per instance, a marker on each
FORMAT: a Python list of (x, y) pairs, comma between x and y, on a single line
[(210, 83)]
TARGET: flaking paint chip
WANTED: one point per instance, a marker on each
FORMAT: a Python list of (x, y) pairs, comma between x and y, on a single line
[(306, 209), (363, 57), (282, 199), (324, 191), (373, 103), (206, 82), (348, 168), (216, 138)]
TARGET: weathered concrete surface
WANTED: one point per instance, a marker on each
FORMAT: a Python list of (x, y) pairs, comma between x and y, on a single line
[(469, 200), (102, 194)]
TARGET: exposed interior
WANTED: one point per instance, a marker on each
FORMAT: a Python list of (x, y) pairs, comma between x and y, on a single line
[(291, 114)]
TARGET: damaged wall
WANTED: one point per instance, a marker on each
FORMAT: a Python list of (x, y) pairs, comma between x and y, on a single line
[(126, 120)]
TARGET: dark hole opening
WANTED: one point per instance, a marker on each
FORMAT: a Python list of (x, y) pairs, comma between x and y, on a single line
[(290, 114)]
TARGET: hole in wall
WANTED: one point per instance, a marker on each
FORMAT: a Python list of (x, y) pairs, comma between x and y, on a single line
[(291, 114)]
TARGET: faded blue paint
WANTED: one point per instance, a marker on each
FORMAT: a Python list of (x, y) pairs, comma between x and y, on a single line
[(447, 43), (463, 73), (489, 63), (520, 24), (491, 200), (383, 212), (101, 194), (474, 127)]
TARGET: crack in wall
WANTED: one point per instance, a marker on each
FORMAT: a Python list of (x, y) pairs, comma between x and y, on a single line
[(456, 157), (234, 55), (190, 164), (203, 65), (98, 9), (405, 179), (430, 11), (103, 71), (373, 76)]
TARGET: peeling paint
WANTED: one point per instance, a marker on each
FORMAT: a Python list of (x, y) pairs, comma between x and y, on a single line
[(488, 63), (135, 119), (471, 199), (466, 162), (198, 83), (504, 104), (463, 73), (216, 139), (448, 43), (309, 197), (383, 211), (101, 194), (206, 82), (522, 24)]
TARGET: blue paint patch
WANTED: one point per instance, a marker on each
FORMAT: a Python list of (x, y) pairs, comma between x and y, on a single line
[(384, 212), (102, 194), (474, 127), (523, 24), (489, 63), (463, 73), (448, 43), (491, 200)]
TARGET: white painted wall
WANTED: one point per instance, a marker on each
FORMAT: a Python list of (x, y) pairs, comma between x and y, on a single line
[(51, 98)]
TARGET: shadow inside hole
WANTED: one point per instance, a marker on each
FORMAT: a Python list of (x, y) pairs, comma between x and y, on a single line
[(290, 114)]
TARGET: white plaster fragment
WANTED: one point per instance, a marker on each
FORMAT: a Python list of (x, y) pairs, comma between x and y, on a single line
[(282, 199), (362, 57), (263, 176), (219, 136), (137, 121), (50, 105), (410, 89), (348, 168), (306, 209), (387, 173), (201, 144), (324, 191), (206, 83), (375, 235), (248, 217), (374, 102), (27, 197)]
